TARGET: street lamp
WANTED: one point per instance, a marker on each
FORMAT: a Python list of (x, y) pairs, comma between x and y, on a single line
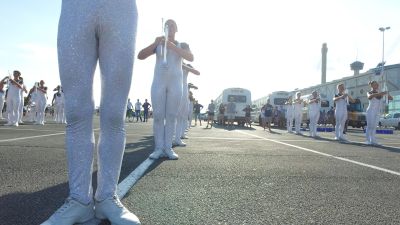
[(383, 29), (384, 85)]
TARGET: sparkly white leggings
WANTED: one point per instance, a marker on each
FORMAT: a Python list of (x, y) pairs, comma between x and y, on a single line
[(372, 123), (341, 117), (91, 31), (182, 118), (166, 92)]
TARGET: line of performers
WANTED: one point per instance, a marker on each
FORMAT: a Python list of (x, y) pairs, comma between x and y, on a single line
[(342, 99), (36, 103), (169, 91)]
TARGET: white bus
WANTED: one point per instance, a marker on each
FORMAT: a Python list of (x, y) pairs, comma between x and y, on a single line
[(241, 97), (277, 98)]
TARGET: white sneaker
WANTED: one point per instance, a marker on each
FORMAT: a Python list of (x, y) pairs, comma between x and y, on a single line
[(180, 143), (184, 137), (71, 212), (171, 154), (158, 153), (113, 210)]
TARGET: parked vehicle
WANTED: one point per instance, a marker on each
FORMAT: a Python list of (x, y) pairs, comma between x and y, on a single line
[(240, 96), (391, 120)]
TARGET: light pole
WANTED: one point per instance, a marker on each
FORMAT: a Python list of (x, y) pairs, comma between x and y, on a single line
[(384, 85), (383, 29)]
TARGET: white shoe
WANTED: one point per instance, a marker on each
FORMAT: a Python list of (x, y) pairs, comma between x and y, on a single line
[(171, 154), (158, 153), (113, 210), (71, 212), (180, 143), (184, 137)]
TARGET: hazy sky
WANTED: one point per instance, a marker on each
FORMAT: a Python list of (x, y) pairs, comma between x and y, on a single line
[(260, 45)]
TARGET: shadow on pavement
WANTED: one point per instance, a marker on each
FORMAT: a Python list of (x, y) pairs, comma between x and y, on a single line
[(34, 208)]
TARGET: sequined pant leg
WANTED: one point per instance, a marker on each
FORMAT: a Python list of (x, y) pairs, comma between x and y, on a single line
[(372, 122), (165, 96), (91, 31)]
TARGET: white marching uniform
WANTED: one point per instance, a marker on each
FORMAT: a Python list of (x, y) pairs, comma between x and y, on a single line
[(314, 113), (41, 102), (21, 104), (33, 107), (166, 94), (340, 117), (289, 117), (59, 107), (94, 32), (183, 113), (13, 104), (297, 108), (190, 113), (373, 112)]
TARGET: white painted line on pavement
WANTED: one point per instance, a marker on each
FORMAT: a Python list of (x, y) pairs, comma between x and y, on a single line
[(132, 178), (235, 139), (325, 154), (38, 136)]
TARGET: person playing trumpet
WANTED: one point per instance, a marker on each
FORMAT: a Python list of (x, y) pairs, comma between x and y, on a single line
[(166, 89)]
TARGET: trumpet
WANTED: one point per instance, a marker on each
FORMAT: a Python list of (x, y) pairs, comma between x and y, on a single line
[(166, 30)]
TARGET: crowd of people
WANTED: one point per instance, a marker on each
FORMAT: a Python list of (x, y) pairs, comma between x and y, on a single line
[(14, 106), (337, 115)]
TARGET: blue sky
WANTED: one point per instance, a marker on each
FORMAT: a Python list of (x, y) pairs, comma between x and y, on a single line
[(261, 45)]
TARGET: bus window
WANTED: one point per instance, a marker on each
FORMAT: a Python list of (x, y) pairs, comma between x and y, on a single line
[(279, 101), (324, 103), (237, 98)]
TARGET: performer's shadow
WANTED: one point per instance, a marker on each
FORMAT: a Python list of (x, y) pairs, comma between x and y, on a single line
[(27, 208)]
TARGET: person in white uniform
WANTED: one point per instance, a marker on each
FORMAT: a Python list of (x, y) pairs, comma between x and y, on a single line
[(375, 99), (58, 103), (14, 99), (3, 82), (183, 112), (341, 100), (166, 89), (298, 105), (91, 32), (314, 107), (41, 102), (22, 102), (289, 114)]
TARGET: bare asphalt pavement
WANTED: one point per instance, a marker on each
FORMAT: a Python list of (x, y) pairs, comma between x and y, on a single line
[(223, 176)]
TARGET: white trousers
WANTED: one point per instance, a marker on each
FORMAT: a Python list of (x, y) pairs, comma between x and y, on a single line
[(90, 32)]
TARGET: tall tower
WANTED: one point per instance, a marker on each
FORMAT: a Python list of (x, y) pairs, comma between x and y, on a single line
[(356, 67), (324, 51)]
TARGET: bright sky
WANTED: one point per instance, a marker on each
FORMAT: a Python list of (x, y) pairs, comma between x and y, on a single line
[(260, 45)]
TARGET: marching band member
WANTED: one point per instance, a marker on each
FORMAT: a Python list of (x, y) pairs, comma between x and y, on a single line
[(341, 100), (58, 103), (166, 89), (14, 99), (2, 95), (374, 107), (314, 104), (182, 119), (297, 108), (92, 32), (289, 114), (41, 102)]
